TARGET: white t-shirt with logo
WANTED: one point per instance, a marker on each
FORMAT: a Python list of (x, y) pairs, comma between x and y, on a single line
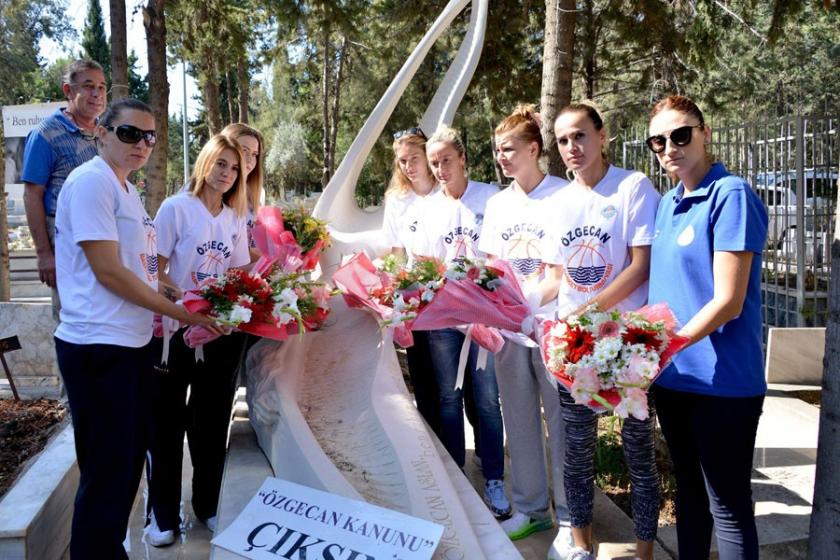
[(197, 244), (400, 226), (516, 225), (451, 229), (94, 206), (592, 232)]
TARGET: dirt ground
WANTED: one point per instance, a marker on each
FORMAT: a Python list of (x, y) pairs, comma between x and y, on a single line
[(25, 428)]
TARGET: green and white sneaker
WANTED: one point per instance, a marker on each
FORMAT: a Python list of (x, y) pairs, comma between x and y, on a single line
[(520, 526)]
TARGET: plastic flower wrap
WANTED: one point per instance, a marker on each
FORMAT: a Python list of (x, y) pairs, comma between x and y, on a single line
[(291, 238), (608, 360), (430, 295)]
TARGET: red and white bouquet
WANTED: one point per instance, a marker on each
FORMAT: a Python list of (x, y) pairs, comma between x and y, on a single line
[(430, 295), (608, 360), (272, 307)]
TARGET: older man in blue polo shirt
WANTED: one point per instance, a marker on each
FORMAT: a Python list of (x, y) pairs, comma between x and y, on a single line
[(62, 142)]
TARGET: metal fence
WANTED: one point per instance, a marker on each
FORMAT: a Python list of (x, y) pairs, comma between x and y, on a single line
[(791, 163)]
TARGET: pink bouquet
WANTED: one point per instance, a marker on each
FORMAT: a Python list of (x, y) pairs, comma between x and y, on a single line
[(291, 239), (608, 360), (430, 296)]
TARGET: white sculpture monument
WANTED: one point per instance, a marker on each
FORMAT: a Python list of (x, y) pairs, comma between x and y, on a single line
[(330, 409)]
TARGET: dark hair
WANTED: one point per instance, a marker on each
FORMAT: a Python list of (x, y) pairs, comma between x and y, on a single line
[(77, 67), (116, 108), (524, 123), (680, 104), (593, 114), (588, 108)]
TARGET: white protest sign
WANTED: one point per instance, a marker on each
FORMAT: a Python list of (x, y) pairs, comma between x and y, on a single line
[(287, 520)]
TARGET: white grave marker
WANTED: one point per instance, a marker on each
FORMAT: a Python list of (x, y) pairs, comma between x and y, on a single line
[(287, 520)]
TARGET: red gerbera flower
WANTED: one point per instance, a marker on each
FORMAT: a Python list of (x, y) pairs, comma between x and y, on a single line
[(636, 335), (580, 343)]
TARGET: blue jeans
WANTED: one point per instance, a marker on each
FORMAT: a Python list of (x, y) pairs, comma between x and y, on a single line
[(445, 348), (712, 440)]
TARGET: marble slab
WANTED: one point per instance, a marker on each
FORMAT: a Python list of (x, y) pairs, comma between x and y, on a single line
[(795, 355), (34, 365), (35, 514)]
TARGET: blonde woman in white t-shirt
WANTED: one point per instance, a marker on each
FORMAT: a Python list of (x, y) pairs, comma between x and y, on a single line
[(451, 222), (410, 185), (108, 280), (253, 147), (600, 249), (515, 223), (201, 234)]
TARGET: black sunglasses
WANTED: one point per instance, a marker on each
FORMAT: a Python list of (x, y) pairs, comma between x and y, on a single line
[(413, 131), (131, 134), (679, 137)]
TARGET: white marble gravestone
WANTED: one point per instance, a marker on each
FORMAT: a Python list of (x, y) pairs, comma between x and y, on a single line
[(330, 409)]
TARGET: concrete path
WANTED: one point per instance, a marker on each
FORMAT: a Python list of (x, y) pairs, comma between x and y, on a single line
[(783, 480)]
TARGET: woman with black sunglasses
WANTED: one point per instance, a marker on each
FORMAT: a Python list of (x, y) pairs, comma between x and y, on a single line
[(106, 262), (706, 264)]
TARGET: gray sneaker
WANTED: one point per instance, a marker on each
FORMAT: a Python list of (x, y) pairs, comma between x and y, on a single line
[(578, 553), (494, 497)]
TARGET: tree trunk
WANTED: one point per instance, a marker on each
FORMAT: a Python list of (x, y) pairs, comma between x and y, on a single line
[(589, 49), (210, 88), (231, 104), (824, 534), (326, 174), (154, 20), (5, 280), (119, 55), (342, 55), (558, 52), (243, 81)]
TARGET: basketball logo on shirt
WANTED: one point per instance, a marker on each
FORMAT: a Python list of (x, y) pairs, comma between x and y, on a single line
[(215, 255), (586, 270), (524, 255), (149, 258)]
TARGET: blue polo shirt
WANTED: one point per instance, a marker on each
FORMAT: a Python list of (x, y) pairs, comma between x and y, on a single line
[(721, 214), (53, 150)]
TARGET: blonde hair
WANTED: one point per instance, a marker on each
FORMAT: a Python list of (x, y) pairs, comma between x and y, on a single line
[(235, 197), (400, 184), (254, 185), (448, 135), (524, 123)]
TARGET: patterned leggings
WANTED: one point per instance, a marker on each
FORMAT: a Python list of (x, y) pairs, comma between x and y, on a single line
[(579, 466)]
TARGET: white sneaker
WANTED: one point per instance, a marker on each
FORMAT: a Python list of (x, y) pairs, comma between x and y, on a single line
[(212, 523), (563, 543), (156, 537), (578, 553)]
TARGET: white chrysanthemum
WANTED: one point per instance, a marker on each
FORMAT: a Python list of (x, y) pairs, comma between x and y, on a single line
[(245, 298), (240, 314), (606, 349), (427, 295), (281, 314)]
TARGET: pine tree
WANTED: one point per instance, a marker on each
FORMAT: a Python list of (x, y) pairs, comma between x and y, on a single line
[(94, 43)]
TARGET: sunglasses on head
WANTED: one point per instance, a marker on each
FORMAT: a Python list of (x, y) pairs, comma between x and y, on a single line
[(413, 131), (679, 137), (131, 134)]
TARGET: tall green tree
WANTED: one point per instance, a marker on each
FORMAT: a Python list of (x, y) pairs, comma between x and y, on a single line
[(23, 23), (94, 42)]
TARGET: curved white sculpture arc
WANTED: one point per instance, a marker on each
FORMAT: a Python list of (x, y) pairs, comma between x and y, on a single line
[(353, 228), (331, 409)]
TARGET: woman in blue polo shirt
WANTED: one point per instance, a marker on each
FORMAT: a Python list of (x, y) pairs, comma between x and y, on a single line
[(706, 265)]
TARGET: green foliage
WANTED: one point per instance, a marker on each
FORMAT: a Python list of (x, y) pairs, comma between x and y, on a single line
[(95, 44), (138, 86), (23, 23)]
